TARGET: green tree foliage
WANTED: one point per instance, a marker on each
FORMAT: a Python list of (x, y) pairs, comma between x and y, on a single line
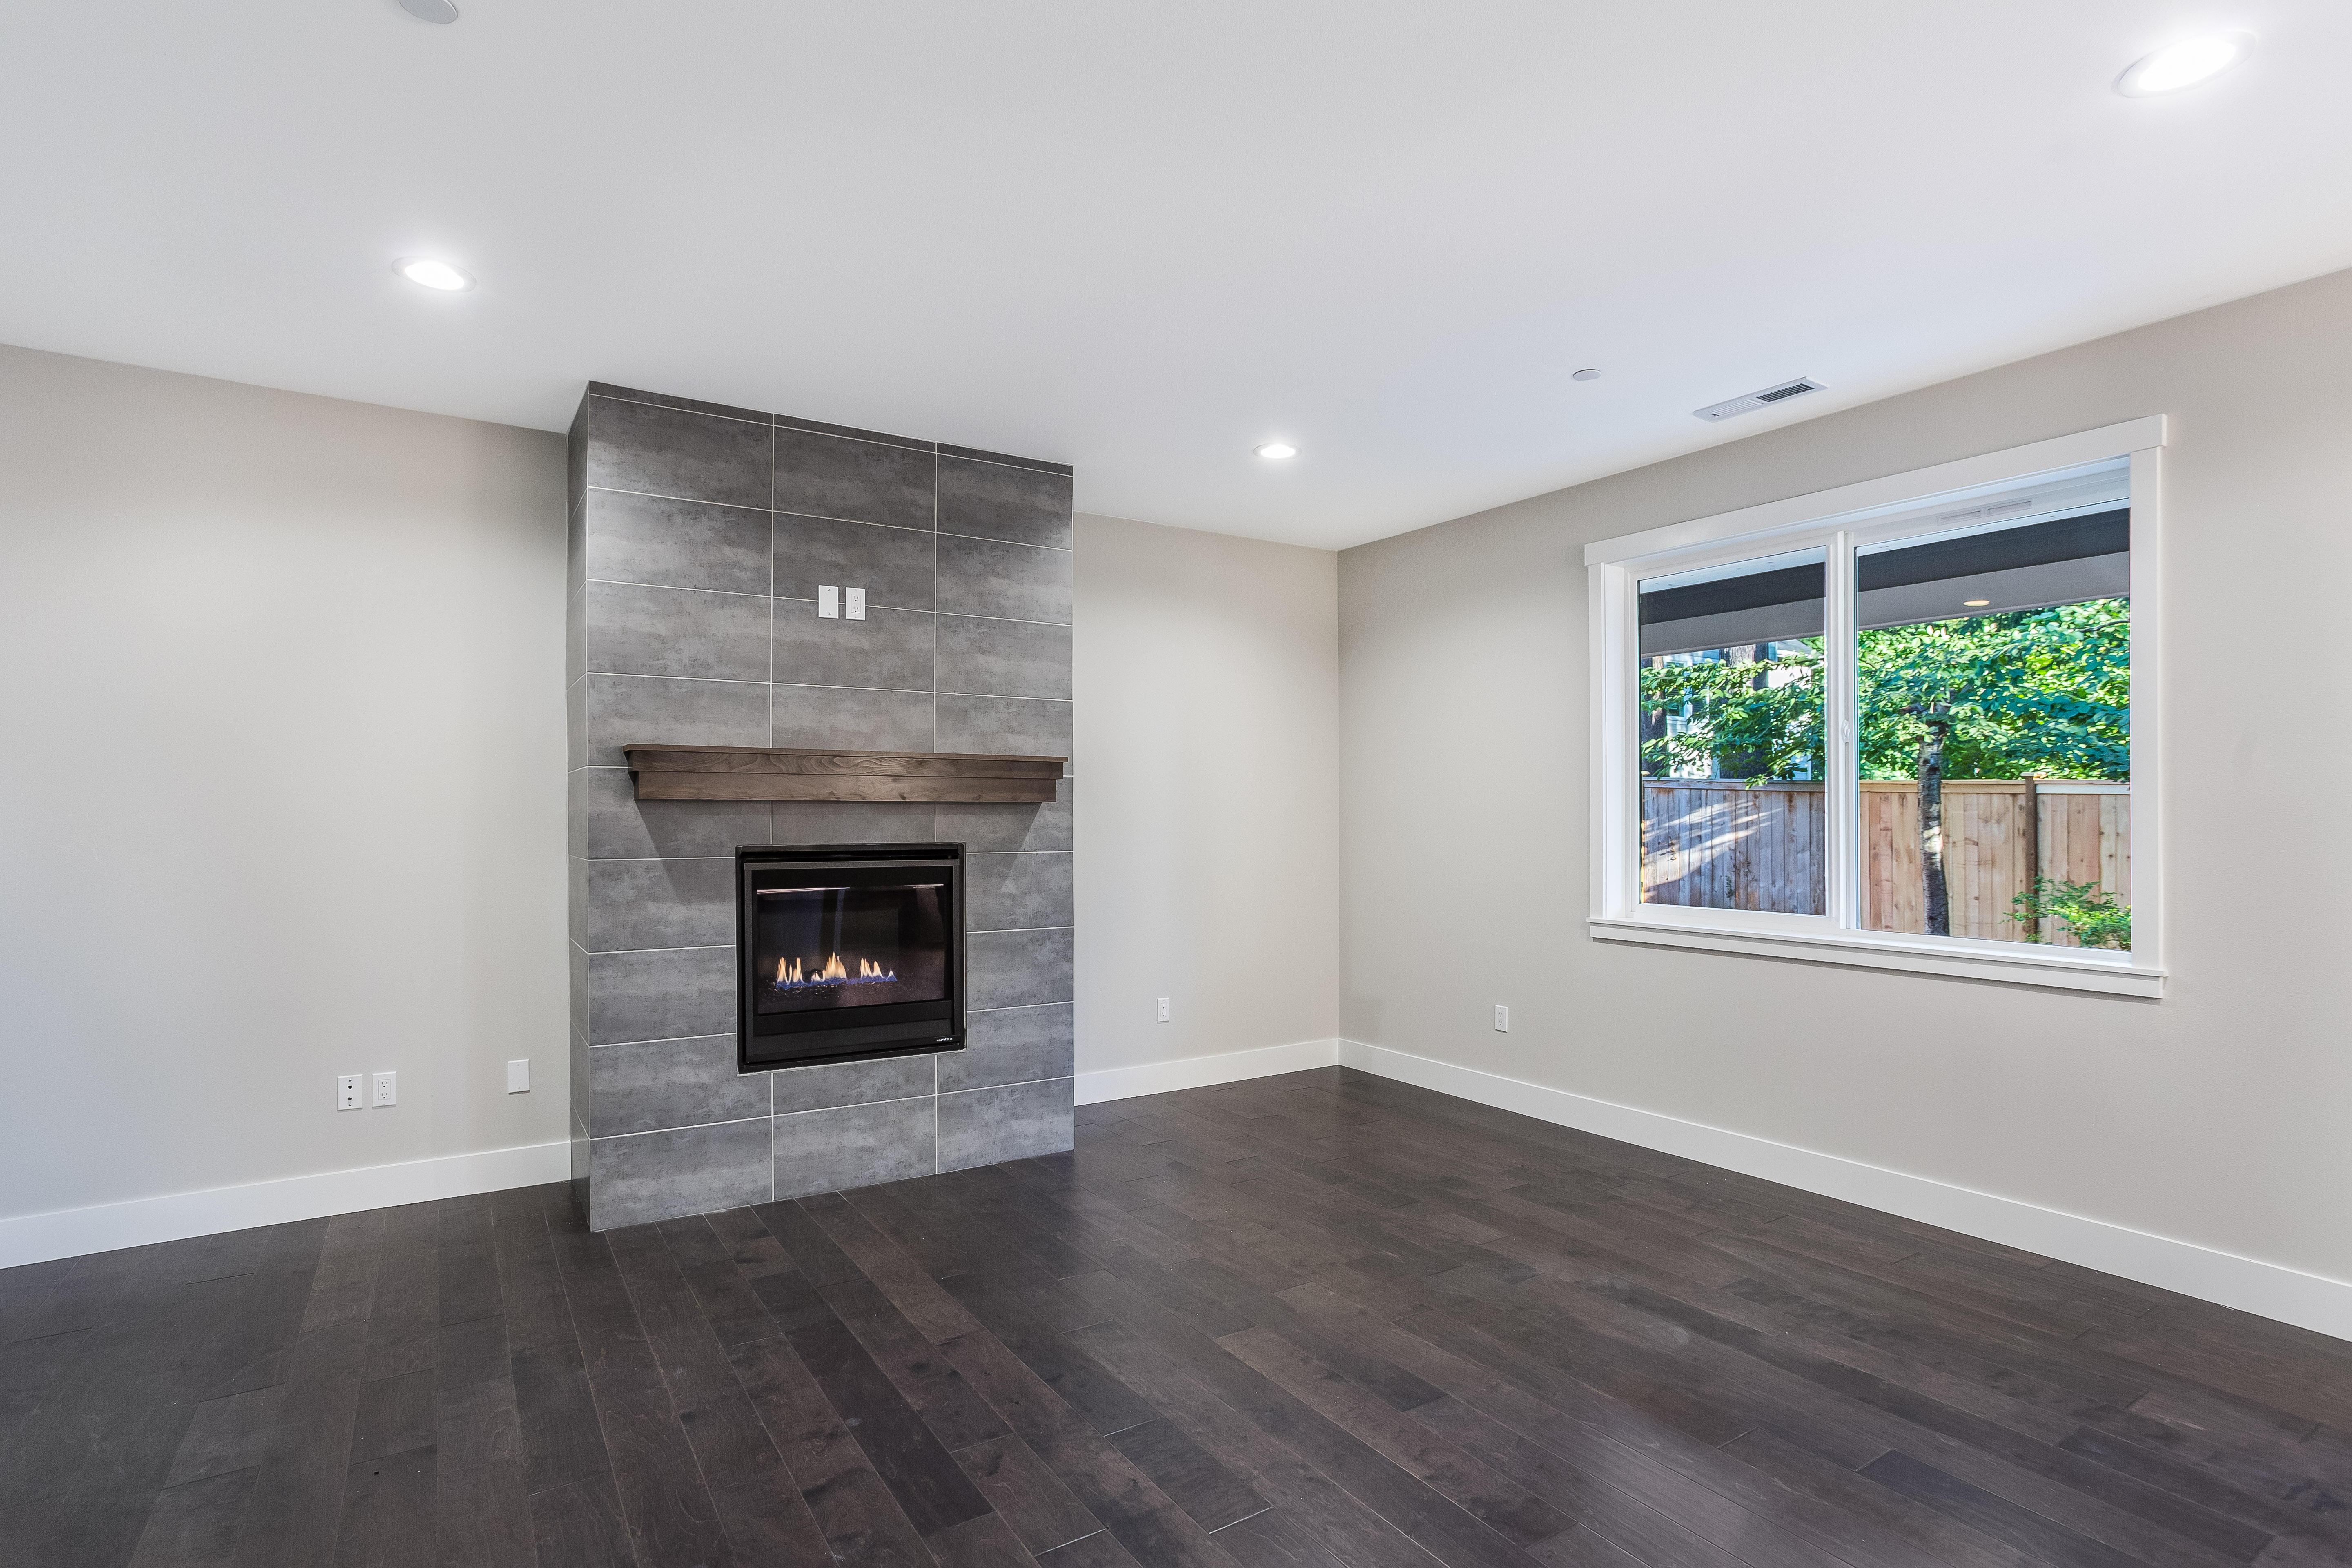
[(1757, 721), (2090, 912), (2039, 692)]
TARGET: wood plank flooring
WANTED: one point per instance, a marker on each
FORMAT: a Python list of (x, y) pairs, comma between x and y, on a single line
[(1321, 1321)]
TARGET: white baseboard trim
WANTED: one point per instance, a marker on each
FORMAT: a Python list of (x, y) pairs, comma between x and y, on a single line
[(1199, 1072), (141, 1222), (2270, 1290)]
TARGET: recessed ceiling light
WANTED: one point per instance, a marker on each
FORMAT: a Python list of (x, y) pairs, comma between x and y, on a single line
[(1586, 376), (430, 10), (1277, 450), (1974, 603), (432, 274), (2184, 64)]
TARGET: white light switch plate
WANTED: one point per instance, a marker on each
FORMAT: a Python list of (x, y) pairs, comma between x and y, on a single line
[(347, 1092), (828, 602), (387, 1088), (1502, 1019), (857, 603), (518, 1076)]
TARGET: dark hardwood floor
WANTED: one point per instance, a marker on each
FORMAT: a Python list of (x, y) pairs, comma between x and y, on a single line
[(1298, 1322)]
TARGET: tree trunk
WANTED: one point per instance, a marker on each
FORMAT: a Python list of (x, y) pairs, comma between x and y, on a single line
[(1931, 825)]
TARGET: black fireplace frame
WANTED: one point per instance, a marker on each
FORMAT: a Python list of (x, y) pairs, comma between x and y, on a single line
[(775, 1042)]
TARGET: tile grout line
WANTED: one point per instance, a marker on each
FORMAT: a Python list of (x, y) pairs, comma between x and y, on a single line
[(773, 1133), (813, 686), (796, 599), (935, 671), (825, 517), (771, 668)]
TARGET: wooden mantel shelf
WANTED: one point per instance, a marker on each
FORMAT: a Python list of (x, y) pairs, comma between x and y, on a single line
[(769, 772)]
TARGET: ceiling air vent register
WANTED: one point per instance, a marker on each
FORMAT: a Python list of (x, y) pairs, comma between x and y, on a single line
[(1755, 400)]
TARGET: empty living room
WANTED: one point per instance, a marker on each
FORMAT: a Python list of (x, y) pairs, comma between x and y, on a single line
[(930, 785)]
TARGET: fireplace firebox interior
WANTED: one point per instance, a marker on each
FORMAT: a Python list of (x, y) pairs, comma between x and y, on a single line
[(848, 952)]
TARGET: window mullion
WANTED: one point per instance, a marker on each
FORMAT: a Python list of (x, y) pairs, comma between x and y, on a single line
[(1840, 794)]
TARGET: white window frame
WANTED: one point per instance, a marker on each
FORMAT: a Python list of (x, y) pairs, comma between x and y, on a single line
[(1839, 520)]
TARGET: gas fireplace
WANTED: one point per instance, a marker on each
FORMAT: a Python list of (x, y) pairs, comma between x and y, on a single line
[(847, 951)]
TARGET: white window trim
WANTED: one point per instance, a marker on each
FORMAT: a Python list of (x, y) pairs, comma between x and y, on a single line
[(1839, 518)]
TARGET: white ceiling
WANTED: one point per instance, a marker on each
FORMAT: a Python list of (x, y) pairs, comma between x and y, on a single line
[(1142, 239)]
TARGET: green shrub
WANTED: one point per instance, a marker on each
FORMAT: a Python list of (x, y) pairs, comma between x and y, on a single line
[(2090, 913)]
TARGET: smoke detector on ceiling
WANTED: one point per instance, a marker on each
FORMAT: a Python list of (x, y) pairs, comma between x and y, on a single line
[(1755, 400)]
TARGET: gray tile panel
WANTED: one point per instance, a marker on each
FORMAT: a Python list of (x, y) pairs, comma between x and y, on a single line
[(1004, 726), (1009, 582), (575, 453), (635, 394), (576, 634), (578, 979), (865, 481), (995, 500), (676, 543), (1010, 1044), (576, 745), (656, 450), (785, 422), (851, 822), (639, 904), (683, 632), (575, 879), (889, 649), (582, 1097), (855, 1146), (622, 709), (662, 995), (1017, 968), (988, 825), (575, 543), (670, 1083), (1003, 659), (859, 721), (1017, 892), (693, 1170), (892, 564), (1017, 1122), (613, 823), (1040, 464), (852, 1083)]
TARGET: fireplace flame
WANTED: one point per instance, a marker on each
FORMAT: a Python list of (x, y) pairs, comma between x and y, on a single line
[(791, 972)]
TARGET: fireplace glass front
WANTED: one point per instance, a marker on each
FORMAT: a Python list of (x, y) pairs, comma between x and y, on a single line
[(849, 951)]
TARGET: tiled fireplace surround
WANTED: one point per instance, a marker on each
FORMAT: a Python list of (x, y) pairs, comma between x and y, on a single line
[(700, 535)]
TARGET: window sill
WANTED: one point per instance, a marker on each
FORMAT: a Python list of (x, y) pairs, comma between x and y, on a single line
[(2066, 968)]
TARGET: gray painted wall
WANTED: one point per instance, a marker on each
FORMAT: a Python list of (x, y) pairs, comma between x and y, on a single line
[(699, 536), (283, 692), (2216, 1116), (1209, 676)]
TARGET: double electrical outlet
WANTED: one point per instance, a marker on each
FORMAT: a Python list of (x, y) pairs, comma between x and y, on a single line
[(348, 1094), (351, 1096), (832, 601)]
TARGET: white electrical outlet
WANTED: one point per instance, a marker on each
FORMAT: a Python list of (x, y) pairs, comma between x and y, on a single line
[(518, 1076), (347, 1092), (1163, 1009), (857, 603), (1502, 1019), (387, 1088), (828, 602)]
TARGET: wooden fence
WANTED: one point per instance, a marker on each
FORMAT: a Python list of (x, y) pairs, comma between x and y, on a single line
[(1718, 844)]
